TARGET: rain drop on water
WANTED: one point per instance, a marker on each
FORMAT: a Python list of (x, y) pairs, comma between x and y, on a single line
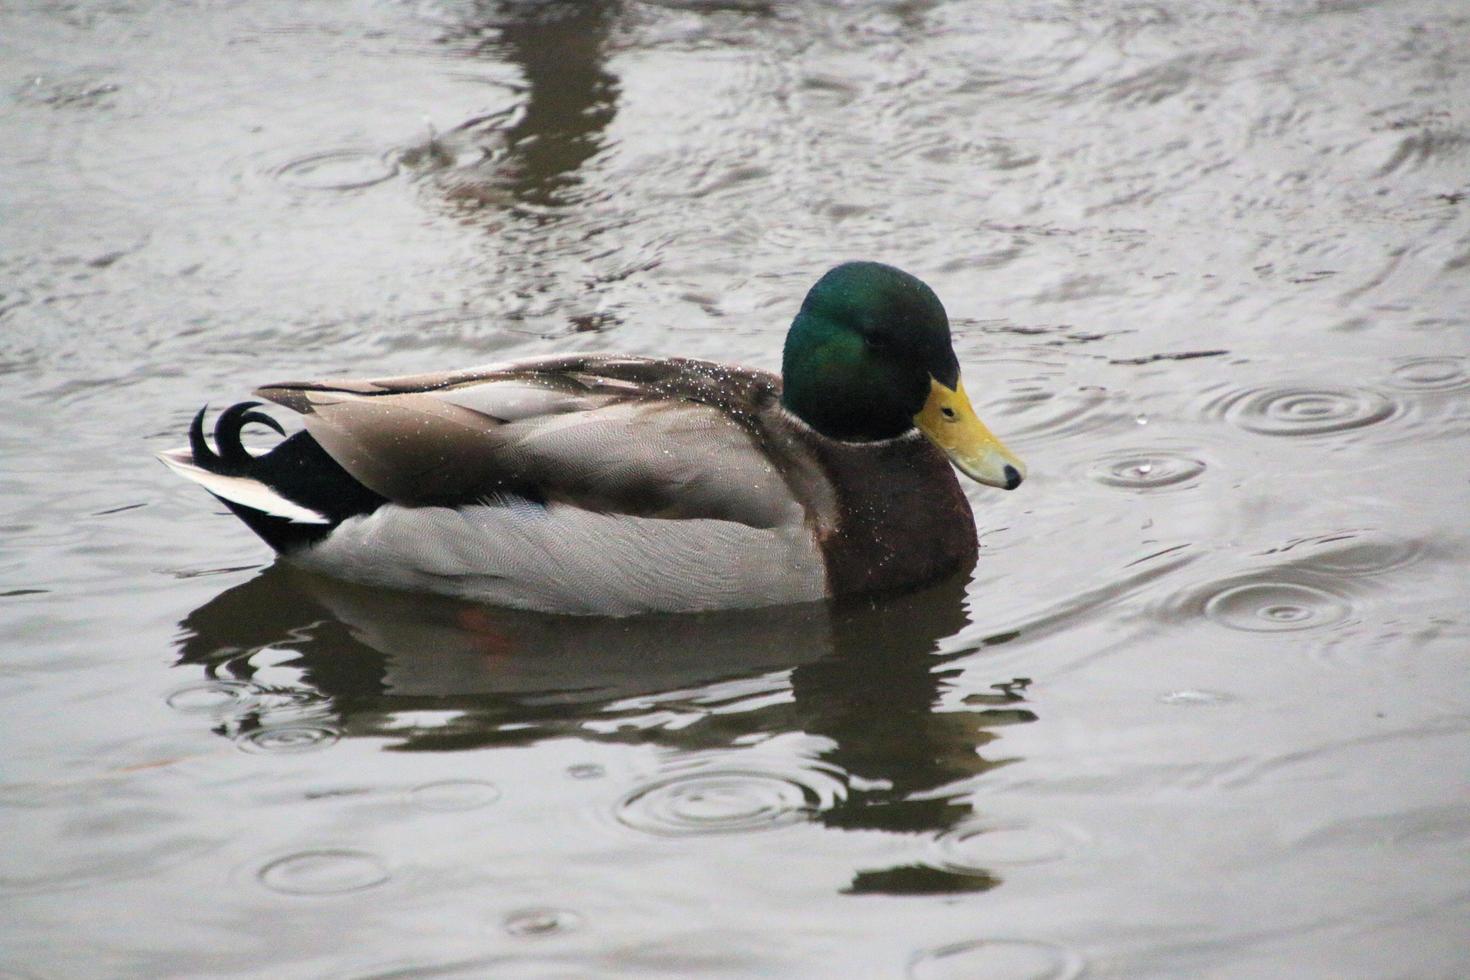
[(341, 170), (726, 801), (1303, 411), (213, 696), (586, 770), (453, 795), (1446, 373), (540, 922), (1147, 469), (1267, 606), (324, 872), (288, 738), (980, 848)]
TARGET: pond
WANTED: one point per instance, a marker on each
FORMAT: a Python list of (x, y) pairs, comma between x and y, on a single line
[(1203, 708)]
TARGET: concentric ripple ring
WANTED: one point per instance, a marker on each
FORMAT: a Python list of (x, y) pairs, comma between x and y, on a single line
[(288, 738), (338, 170), (214, 696), (1146, 469), (1307, 411), (1447, 373), (1268, 606), (723, 801), (324, 872), (979, 848)]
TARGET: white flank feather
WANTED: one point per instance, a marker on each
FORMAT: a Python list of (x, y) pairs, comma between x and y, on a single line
[(241, 490)]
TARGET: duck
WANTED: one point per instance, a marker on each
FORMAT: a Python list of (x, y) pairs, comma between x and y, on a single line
[(601, 484)]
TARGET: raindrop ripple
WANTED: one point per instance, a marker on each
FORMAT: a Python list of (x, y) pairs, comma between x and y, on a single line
[(214, 696), (1291, 410), (1446, 373), (979, 848), (727, 801), (288, 739), (324, 872), (1146, 469), (454, 795), (541, 922), (1265, 606), (1360, 552), (338, 170)]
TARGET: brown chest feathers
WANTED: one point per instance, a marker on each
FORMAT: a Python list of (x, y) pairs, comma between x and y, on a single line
[(901, 519)]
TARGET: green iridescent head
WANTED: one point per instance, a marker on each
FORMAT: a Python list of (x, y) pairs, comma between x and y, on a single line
[(869, 357)]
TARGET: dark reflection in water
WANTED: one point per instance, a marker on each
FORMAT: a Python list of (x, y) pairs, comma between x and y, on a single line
[(866, 677), (570, 100)]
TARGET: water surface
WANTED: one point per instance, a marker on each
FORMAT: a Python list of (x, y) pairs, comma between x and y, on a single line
[(1202, 710)]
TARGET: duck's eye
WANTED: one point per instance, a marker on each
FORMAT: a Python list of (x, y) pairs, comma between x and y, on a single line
[(948, 413), (878, 343)]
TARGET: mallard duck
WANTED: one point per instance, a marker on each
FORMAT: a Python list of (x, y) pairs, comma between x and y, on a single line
[(612, 485)]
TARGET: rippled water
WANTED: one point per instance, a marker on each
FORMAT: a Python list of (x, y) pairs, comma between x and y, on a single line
[(1203, 709)]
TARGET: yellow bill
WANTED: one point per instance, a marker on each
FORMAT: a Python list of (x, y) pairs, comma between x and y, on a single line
[(950, 422)]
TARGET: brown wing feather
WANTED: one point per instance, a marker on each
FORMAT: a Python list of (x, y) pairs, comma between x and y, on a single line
[(625, 435), (409, 448)]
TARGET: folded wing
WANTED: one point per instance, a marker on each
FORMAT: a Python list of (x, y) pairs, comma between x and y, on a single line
[(611, 436)]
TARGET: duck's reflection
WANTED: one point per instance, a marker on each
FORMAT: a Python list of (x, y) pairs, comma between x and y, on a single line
[(531, 156), (427, 673)]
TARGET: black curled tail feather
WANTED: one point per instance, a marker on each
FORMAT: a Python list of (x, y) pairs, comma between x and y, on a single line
[(204, 457), (297, 469), (227, 430), (232, 458)]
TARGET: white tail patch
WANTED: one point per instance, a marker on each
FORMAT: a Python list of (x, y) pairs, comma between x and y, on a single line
[(240, 489)]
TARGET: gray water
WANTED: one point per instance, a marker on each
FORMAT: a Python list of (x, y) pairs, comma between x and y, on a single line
[(1203, 709)]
